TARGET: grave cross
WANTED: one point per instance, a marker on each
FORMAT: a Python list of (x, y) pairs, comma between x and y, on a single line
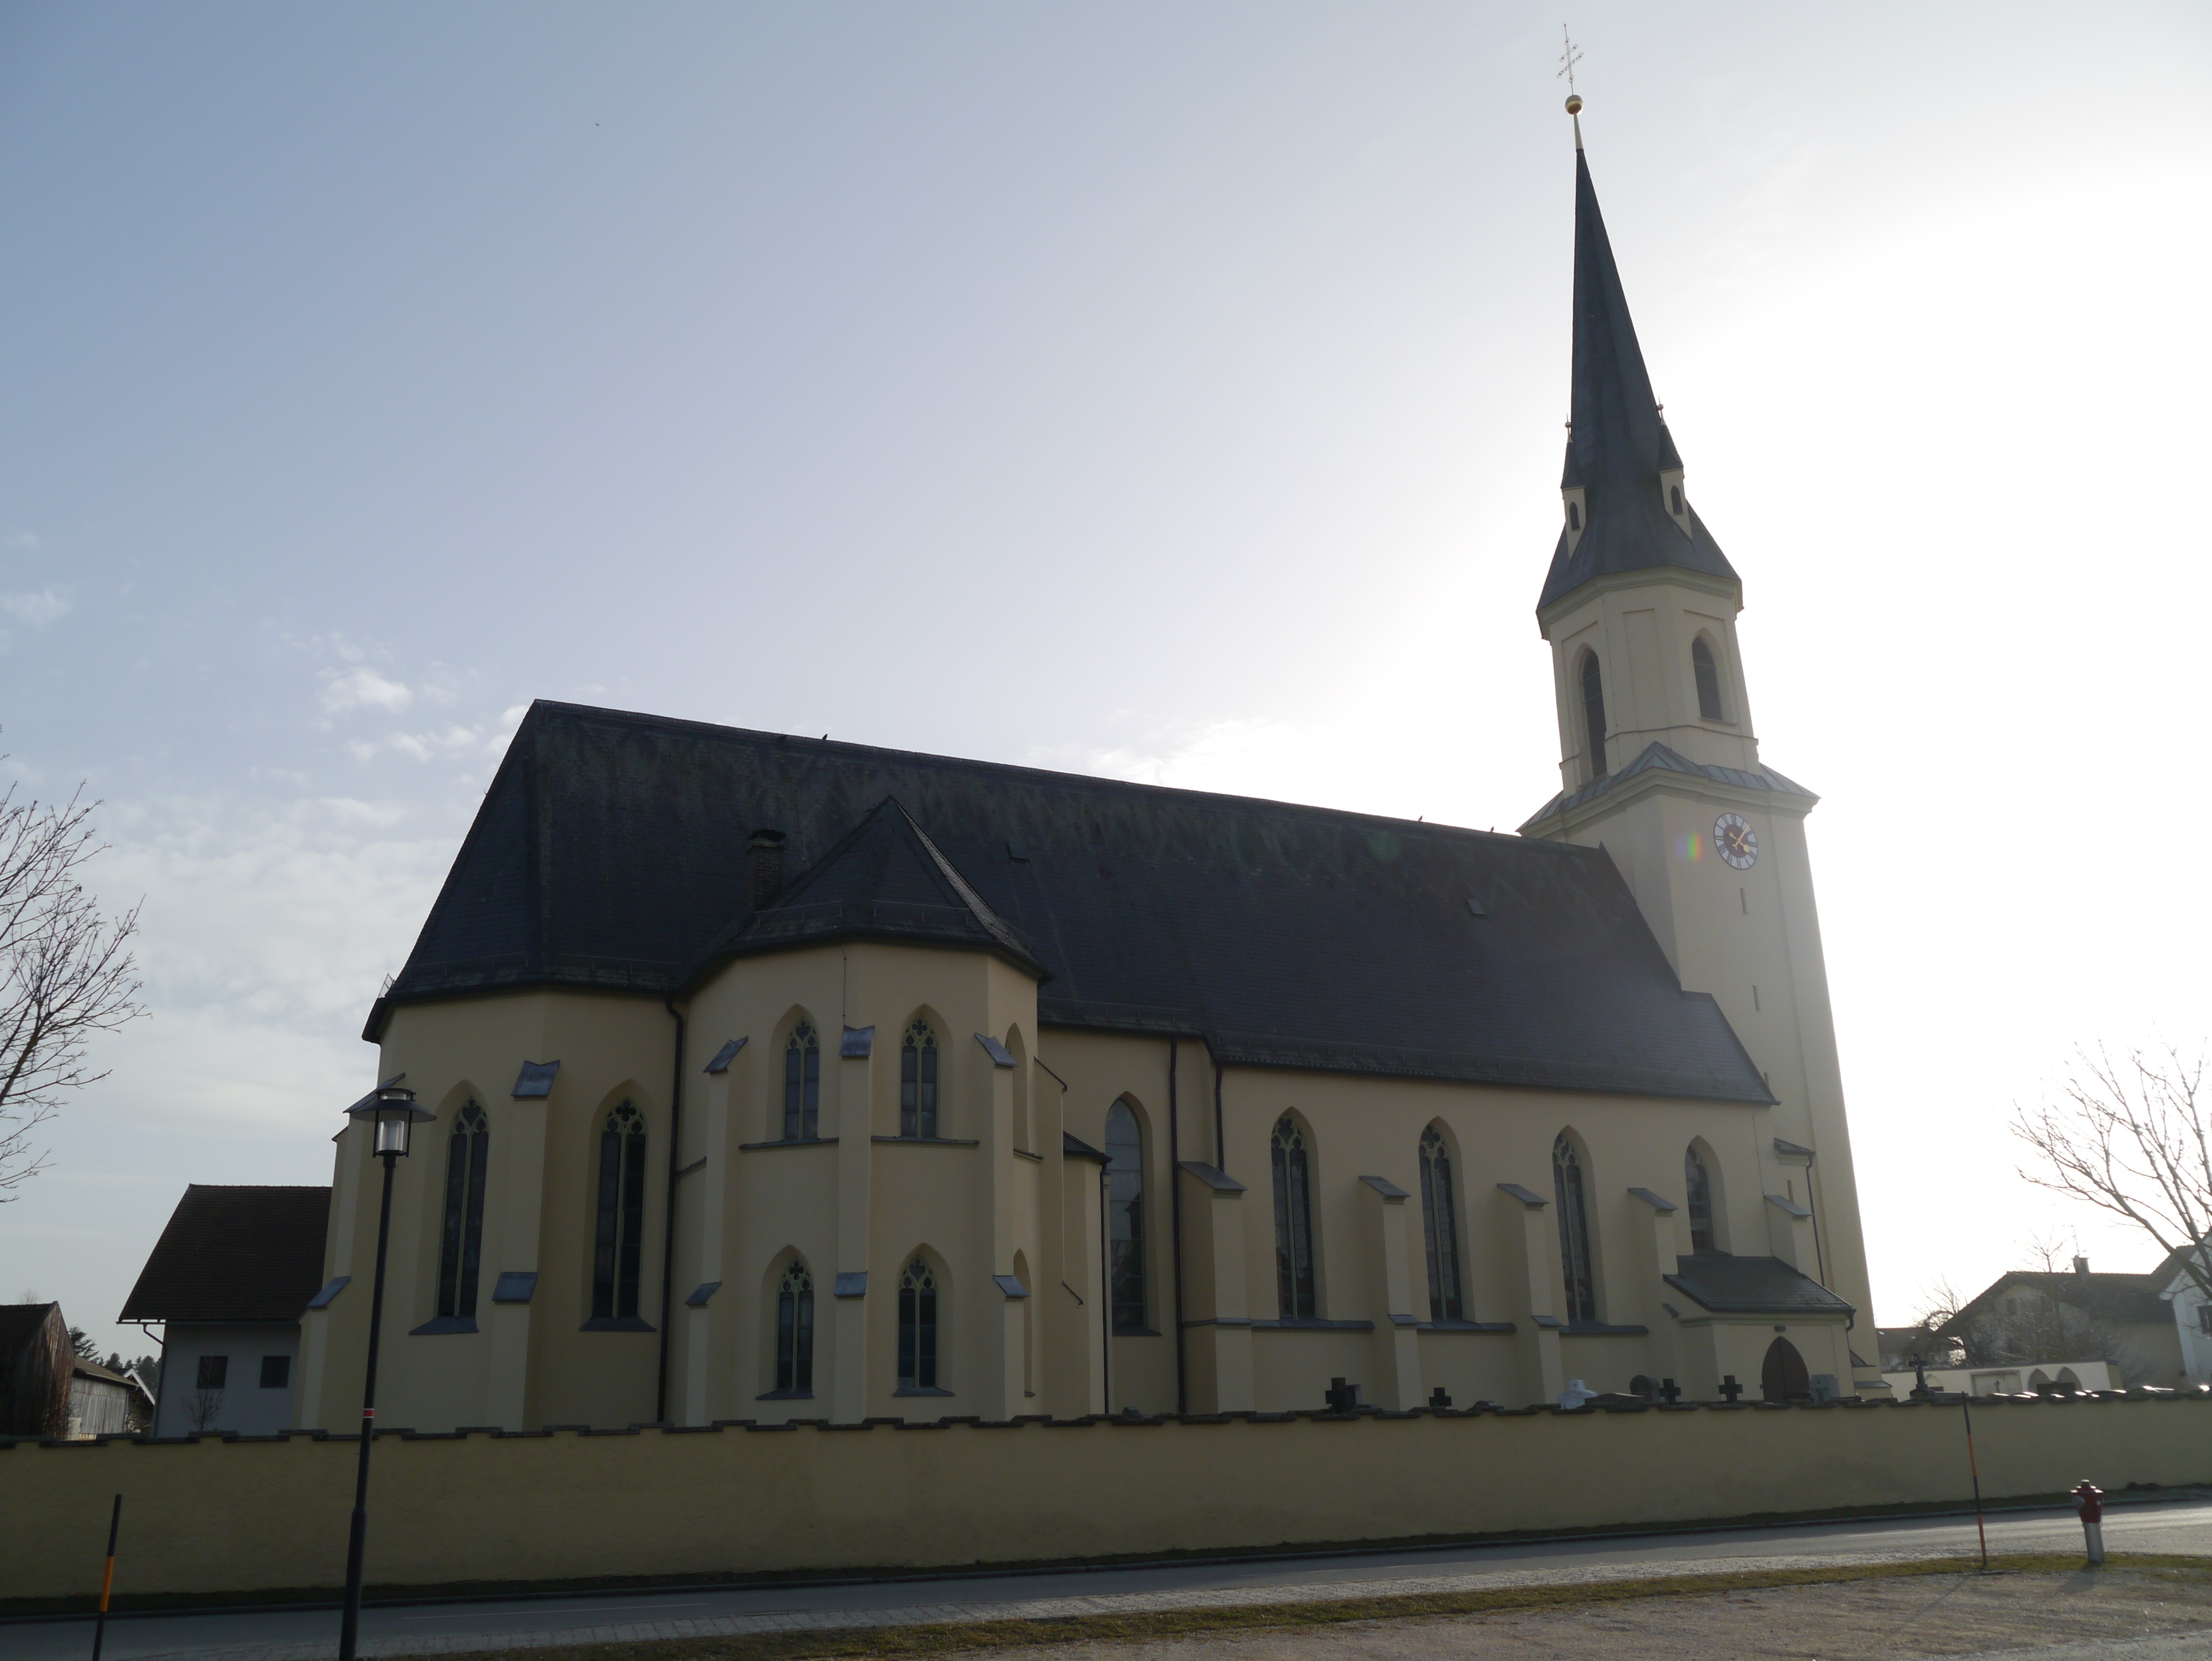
[(1341, 1398), (1730, 1389), (1669, 1391), (1438, 1399)]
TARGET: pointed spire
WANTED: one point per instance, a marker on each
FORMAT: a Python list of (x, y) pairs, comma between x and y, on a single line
[(1618, 447)]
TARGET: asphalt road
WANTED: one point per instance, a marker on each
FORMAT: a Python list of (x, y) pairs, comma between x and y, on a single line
[(2178, 1524)]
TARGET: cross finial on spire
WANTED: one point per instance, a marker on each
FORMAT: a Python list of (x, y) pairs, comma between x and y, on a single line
[(1568, 57)]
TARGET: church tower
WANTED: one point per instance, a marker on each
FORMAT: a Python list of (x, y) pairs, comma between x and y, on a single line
[(1660, 765)]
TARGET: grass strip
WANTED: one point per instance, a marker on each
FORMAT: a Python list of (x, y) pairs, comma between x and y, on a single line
[(936, 1638)]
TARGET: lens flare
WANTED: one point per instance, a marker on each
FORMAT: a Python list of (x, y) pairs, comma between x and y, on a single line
[(1690, 847)]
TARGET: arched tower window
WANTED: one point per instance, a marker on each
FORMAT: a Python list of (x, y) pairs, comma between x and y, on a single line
[(1439, 1227), (918, 1082), (802, 1084), (620, 1241), (917, 1339), (1125, 1199), (1700, 1182), (1707, 674), (794, 1330), (1594, 714), (1294, 1256), (460, 1251), (1574, 1232)]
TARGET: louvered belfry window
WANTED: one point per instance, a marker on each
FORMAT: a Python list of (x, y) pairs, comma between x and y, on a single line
[(1594, 714), (1440, 1228), (619, 1242), (1294, 1255), (1574, 1232), (1707, 676), (460, 1247)]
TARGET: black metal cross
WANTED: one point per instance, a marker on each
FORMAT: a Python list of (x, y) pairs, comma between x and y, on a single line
[(1568, 58), (1730, 1389), (1669, 1391), (1438, 1399), (1341, 1398)]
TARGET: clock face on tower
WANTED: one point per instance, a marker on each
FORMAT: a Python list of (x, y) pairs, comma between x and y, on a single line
[(1736, 840)]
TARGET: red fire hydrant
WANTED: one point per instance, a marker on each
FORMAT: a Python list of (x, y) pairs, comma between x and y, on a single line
[(2092, 1519)]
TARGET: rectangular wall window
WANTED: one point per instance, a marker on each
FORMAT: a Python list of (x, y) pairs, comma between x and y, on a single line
[(276, 1372), (214, 1369)]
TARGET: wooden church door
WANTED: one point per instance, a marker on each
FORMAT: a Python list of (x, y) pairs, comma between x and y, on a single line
[(1784, 1377)]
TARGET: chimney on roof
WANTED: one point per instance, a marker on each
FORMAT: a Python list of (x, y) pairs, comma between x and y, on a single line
[(764, 861), (2081, 1265)]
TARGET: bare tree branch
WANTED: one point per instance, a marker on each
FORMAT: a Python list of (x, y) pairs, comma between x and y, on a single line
[(66, 971), (2131, 1137)]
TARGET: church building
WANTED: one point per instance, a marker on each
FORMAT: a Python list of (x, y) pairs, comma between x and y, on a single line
[(776, 1079)]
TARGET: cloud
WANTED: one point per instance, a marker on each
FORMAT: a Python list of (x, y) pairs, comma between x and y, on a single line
[(423, 746), (362, 688), (36, 609), (22, 542)]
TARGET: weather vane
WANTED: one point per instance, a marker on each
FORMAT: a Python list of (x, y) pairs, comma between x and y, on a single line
[(1568, 59)]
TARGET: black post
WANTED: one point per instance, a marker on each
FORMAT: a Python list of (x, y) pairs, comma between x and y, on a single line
[(357, 1542), (107, 1579), (1974, 1466)]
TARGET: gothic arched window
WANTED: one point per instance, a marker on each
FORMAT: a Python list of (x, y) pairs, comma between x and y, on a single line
[(917, 1317), (1594, 714), (460, 1251), (1574, 1232), (619, 1243), (802, 1084), (1708, 675), (1294, 1257), (794, 1330), (918, 1082), (1700, 1182), (1125, 1200), (1439, 1227)]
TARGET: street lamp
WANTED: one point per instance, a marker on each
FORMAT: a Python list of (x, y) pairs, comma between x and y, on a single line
[(394, 1117)]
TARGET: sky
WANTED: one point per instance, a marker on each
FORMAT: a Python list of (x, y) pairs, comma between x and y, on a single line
[(1172, 392)]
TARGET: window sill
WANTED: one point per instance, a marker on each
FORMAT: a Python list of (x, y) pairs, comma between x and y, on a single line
[(1314, 1326), (789, 1141), (1024, 1154), (615, 1324), (1601, 1330), (915, 1390), (787, 1395), (929, 1141), (1467, 1326), (1136, 1332), (443, 1324)]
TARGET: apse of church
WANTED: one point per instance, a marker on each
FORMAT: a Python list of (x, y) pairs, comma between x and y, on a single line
[(776, 1079)]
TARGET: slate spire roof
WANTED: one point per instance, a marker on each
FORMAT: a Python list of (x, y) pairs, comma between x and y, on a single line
[(885, 880), (1618, 444), (609, 853)]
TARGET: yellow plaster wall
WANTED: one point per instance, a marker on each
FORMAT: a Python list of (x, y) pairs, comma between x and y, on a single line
[(213, 1517)]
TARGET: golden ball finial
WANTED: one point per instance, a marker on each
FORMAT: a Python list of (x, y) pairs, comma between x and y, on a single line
[(1574, 104)]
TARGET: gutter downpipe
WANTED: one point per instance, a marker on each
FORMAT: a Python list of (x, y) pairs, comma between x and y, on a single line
[(1175, 1213), (668, 1229)]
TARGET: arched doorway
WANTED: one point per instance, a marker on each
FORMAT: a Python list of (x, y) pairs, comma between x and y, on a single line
[(1784, 1377)]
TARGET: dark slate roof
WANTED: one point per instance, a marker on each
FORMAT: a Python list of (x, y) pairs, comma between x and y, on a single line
[(235, 1254), (2129, 1299), (1618, 443), (610, 853), (1725, 1285), (1658, 759), (886, 881)]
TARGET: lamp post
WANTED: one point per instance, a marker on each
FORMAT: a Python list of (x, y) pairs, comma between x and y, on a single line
[(392, 1112)]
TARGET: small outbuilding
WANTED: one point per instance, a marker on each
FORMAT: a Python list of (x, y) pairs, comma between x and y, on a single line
[(228, 1279)]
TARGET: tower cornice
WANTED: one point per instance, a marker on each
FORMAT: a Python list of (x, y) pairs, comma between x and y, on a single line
[(1729, 589)]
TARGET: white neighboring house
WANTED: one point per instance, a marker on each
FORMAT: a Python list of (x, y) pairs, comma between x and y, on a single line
[(228, 1279), (2192, 1318), (2010, 1381)]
